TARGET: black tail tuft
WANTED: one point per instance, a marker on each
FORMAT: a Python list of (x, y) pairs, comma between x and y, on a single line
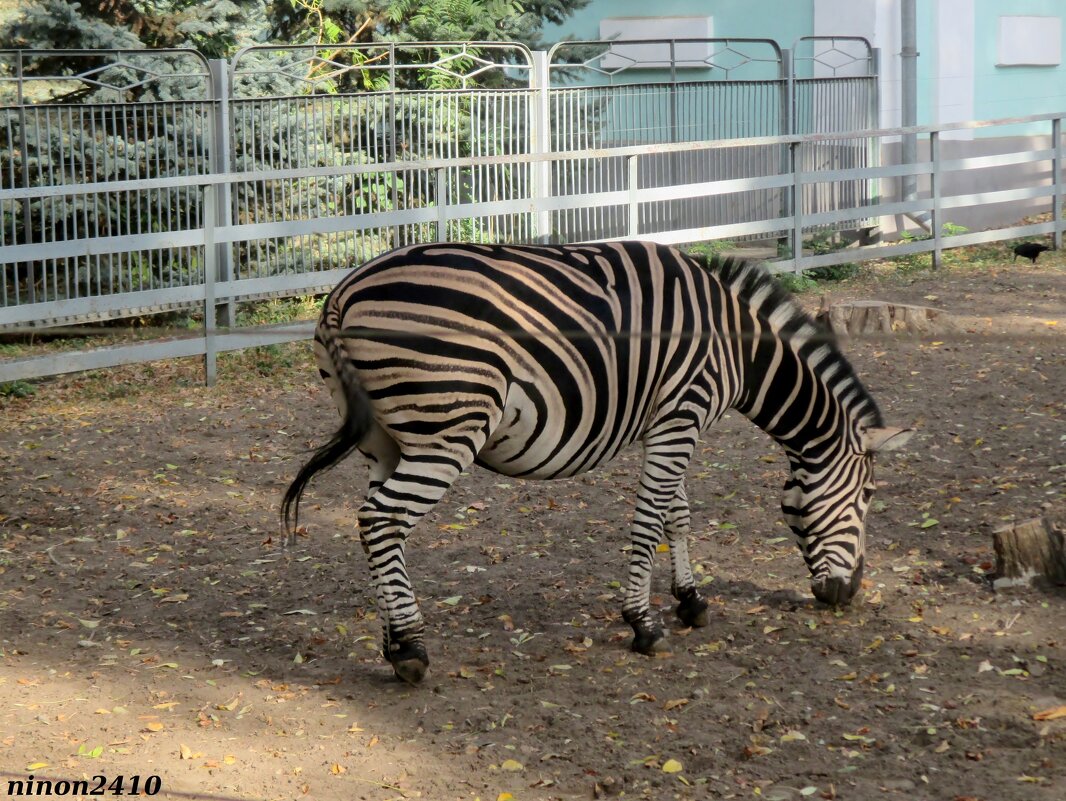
[(358, 419)]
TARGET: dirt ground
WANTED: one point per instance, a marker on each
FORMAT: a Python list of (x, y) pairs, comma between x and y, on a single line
[(151, 623)]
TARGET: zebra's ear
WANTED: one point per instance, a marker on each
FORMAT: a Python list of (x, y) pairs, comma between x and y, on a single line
[(877, 440)]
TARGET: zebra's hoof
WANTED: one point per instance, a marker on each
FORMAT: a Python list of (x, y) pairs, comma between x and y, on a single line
[(649, 642), (693, 611), (411, 670), (409, 661)]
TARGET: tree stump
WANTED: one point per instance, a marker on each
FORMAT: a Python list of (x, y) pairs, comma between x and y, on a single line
[(1031, 549), (856, 317)]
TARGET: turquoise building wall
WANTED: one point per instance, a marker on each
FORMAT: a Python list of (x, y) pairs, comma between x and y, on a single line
[(1015, 91), (995, 91), (781, 20)]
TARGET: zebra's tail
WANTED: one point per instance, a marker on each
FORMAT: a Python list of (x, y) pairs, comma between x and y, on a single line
[(358, 418)]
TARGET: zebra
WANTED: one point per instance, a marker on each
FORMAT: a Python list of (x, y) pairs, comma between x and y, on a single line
[(544, 362)]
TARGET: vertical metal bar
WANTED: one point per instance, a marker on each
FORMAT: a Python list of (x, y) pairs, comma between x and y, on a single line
[(220, 163), (540, 143), (1056, 171), (873, 121), (27, 219), (392, 150), (670, 209), (787, 84), (934, 179), (210, 275), (797, 205), (441, 191), (634, 208)]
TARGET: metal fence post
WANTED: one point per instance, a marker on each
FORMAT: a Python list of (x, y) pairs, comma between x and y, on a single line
[(934, 181), (210, 276), (633, 230), (797, 206), (874, 144), (27, 205), (1056, 167), (442, 204), (540, 144), (220, 163), (787, 123)]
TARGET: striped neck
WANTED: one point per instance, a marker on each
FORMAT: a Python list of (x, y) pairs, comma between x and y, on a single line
[(790, 378)]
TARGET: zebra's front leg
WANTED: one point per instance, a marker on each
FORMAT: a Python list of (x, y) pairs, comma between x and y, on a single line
[(666, 457), (691, 607)]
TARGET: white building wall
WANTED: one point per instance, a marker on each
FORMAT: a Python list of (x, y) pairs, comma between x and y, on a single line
[(955, 77), (877, 21)]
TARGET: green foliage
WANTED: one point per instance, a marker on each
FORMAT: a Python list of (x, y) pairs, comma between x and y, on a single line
[(279, 310), (212, 26), (829, 242), (711, 248), (916, 262), (17, 389), (218, 27), (797, 282), (348, 21)]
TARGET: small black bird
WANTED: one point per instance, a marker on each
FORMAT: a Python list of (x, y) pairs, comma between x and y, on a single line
[(1029, 250)]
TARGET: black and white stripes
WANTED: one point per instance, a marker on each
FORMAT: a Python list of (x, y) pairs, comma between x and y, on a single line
[(545, 362)]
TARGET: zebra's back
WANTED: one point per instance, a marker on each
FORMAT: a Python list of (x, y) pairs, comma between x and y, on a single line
[(560, 356)]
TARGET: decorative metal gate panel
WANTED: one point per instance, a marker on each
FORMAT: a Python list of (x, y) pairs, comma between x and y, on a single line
[(118, 115), (308, 106), (835, 89), (664, 91)]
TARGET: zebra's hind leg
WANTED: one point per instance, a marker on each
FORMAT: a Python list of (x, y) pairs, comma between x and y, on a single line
[(385, 521), (691, 608), (667, 452)]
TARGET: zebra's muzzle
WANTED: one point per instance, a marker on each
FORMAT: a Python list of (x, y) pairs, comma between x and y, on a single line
[(838, 590)]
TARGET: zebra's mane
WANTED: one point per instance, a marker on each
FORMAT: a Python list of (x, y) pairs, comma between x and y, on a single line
[(748, 280)]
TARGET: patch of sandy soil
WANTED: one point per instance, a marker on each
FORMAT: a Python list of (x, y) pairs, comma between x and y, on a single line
[(151, 623)]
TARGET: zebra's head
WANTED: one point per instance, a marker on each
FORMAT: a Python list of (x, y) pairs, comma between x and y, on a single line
[(825, 502)]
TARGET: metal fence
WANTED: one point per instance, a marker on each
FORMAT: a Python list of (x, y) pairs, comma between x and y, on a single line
[(212, 239), (152, 186), (277, 112), (115, 117)]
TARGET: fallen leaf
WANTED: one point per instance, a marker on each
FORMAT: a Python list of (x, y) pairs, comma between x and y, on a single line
[(512, 765), (672, 766), (229, 707), (1051, 714)]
